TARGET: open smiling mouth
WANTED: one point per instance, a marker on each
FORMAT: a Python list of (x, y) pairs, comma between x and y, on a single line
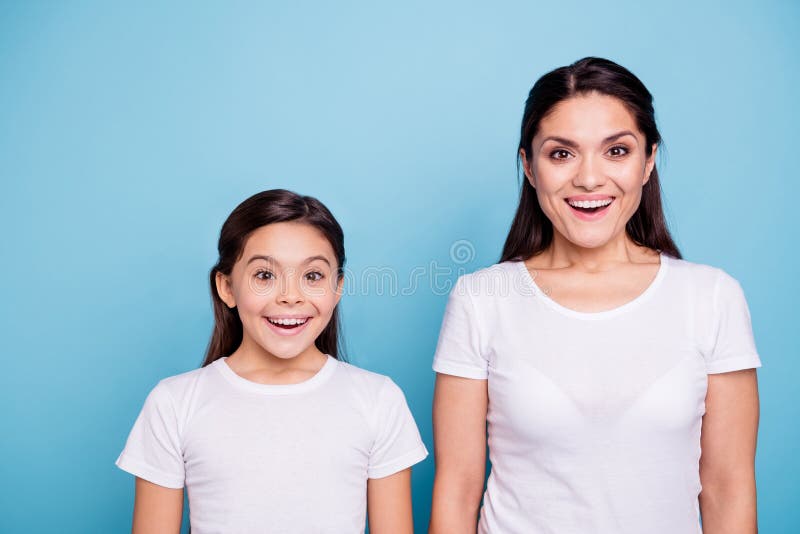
[(288, 324), (589, 208)]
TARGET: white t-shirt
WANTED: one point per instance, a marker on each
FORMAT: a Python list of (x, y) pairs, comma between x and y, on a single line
[(273, 458), (594, 418)]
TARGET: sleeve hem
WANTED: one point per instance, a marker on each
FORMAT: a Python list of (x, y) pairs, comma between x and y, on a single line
[(403, 462), (142, 470), (457, 369), (750, 361)]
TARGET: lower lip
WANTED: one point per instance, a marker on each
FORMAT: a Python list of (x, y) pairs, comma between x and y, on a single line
[(593, 216), (287, 331)]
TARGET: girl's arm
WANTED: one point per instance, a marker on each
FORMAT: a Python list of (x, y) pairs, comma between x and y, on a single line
[(459, 435), (156, 509), (389, 504), (728, 444)]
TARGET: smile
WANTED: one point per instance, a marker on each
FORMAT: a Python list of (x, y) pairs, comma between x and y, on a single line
[(287, 326), (589, 210)]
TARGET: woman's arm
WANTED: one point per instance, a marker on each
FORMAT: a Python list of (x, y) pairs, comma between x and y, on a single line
[(156, 509), (389, 504), (459, 436), (727, 464)]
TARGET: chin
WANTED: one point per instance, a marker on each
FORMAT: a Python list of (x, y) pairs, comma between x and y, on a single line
[(284, 353), (589, 243), (591, 240), (286, 356)]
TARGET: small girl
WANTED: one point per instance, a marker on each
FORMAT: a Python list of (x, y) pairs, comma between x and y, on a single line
[(274, 433)]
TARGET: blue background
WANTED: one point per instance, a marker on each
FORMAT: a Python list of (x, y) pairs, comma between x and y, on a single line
[(129, 132)]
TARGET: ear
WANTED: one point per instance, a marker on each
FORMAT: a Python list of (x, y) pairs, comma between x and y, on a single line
[(224, 289), (526, 167), (339, 289), (650, 164)]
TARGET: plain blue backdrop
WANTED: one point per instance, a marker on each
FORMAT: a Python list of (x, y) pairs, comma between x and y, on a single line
[(128, 132)]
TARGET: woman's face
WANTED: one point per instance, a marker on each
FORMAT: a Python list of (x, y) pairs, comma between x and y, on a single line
[(285, 287), (588, 164)]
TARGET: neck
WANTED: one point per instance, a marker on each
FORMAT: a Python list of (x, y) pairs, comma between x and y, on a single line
[(562, 253), (251, 357)]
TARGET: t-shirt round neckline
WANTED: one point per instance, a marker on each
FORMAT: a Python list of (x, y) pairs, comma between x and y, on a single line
[(239, 382), (604, 314)]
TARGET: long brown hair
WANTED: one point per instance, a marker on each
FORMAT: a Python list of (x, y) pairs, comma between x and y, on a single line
[(531, 231), (261, 209)]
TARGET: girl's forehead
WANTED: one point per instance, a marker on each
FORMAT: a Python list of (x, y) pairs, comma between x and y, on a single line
[(290, 243)]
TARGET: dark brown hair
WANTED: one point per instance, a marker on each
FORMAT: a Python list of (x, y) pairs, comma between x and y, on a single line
[(531, 231), (261, 209)]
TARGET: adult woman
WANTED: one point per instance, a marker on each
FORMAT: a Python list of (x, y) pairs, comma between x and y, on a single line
[(594, 352)]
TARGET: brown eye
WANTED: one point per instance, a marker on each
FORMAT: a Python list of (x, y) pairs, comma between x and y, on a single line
[(617, 151), (314, 276), (261, 281), (560, 154)]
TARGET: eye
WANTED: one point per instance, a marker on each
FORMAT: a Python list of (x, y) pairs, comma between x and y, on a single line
[(264, 275), (618, 151), (314, 276), (559, 154)]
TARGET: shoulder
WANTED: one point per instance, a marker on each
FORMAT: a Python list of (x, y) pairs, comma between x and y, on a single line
[(179, 389), (711, 289), (700, 275), (370, 387), (498, 279), (362, 379), (180, 382)]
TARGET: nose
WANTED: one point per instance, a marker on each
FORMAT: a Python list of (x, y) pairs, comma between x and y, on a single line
[(291, 290), (589, 174)]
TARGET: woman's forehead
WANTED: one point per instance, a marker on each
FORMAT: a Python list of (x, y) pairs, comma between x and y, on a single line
[(591, 116)]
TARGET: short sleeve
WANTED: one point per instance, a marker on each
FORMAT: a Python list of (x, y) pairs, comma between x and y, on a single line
[(458, 351), (398, 444), (153, 450), (732, 346)]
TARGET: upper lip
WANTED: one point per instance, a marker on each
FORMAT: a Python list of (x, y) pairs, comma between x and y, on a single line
[(589, 197), (290, 316)]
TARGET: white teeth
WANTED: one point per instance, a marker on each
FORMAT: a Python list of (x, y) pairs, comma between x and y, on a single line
[(287, 321), (589, 203)]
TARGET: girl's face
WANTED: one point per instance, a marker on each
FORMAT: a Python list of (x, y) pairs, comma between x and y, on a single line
[(588, 164), (285, 287)]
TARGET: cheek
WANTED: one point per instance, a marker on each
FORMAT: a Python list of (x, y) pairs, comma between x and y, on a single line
[(548, 203), (551, 177), (251, 298), (322, 296), (549, 183), (633, 172), (632, 181), (325, 303)]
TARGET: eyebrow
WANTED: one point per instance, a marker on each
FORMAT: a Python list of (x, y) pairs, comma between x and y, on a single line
[(616, 136), (572, 144), (273, 260)]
